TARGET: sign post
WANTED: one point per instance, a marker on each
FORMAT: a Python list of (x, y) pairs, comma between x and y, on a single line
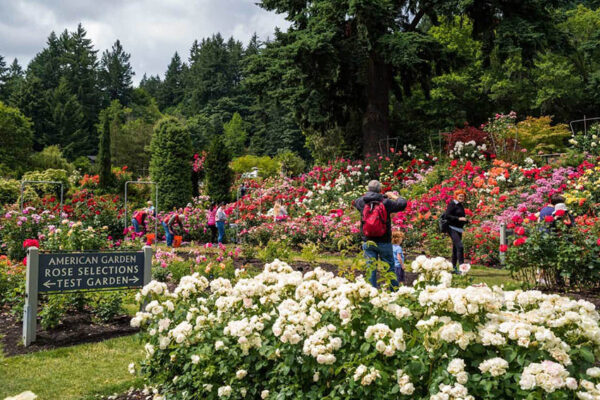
[(502, 242), (79, 271), (31, 297)]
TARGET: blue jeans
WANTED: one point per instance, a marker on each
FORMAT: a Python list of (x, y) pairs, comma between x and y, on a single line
[(221, 228), (399, 274), (136, 225), (168, 235), (383, 252)]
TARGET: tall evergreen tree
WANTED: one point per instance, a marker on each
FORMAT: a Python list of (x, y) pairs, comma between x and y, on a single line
[(47, 64), (116, 74), (68, 122), (171, 92), (104, 156), (14, 80), (35, 102), (152, 85), (3, 78), (170, 164), (80, 66), (219, 177), (214, 75)]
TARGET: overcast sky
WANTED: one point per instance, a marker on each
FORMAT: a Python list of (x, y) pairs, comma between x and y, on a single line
[(150, 30)]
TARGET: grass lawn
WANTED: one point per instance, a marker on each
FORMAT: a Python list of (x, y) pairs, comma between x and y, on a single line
[(78, 372), (491, 277)]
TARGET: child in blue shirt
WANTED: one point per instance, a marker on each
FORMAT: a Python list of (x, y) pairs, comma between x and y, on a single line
[(397, 238)]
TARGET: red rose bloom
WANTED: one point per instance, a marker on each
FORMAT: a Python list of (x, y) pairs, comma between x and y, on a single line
[(549, 218), (520, 241), (27, 243), (504, 247), (519, 230), (559, 213)]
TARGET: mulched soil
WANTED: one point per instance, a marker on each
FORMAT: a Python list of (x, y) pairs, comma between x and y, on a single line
[(75, 329)]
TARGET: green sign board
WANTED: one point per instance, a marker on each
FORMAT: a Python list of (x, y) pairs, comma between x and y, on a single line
[(60, 272), (72, 272)]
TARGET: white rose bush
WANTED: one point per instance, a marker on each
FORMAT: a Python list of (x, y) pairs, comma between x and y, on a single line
[(283, 334)]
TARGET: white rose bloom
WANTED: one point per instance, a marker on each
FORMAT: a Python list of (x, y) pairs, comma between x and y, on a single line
[(264, 394), (224, 391)]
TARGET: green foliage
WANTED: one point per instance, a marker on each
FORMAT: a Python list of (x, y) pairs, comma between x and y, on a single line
[(116, 73), (104, 162), (309, 252), (170, 163), (62, 93), (170, 92), (555, 255), (12, 277), (50, 158), (83, 165), (538, 135), (68, 121), (234, 135), (266, 165), (9, 191), (291, 163), (16, 138), (53, 175), (587, 141), (131, 132), (274, 249), (219, 177), (107, 306)]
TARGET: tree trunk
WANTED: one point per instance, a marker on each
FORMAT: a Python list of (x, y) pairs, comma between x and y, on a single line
[(376, 121)]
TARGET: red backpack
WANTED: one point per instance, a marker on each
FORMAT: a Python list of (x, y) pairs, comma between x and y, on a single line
[(374, 218)]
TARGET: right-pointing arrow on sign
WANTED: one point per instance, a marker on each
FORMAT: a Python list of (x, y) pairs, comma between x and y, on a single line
[(133, 279), (49, 284)]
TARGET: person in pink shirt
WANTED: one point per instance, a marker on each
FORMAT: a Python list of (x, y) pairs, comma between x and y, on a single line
[(211, 217)]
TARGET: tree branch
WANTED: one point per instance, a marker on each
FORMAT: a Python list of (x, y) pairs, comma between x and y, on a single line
[(413, 25)]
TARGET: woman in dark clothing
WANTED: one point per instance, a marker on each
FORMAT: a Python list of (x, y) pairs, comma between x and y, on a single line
[(455, 214)]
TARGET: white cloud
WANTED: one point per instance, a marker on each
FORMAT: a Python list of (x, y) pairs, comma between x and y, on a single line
[(151, 30)]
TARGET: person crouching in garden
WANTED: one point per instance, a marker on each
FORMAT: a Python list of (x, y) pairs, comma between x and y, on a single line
[(455, 214), (138, 220), (376, 224), (397, 239), (169, 223)]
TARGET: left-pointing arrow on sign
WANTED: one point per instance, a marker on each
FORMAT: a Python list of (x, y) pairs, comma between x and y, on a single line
[(49, 284)]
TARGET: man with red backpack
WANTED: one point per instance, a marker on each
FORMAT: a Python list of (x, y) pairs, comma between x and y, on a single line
[(376, 224)]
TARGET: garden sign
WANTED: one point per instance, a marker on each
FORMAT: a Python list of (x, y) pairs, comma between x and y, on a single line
[(75, 272)]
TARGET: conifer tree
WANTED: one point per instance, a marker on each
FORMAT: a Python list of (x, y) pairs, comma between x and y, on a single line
[(171, 92), (3, 78), (235, 135), (116, 74), (170, 165), (219, 177), (68, 122), (104, 156)]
